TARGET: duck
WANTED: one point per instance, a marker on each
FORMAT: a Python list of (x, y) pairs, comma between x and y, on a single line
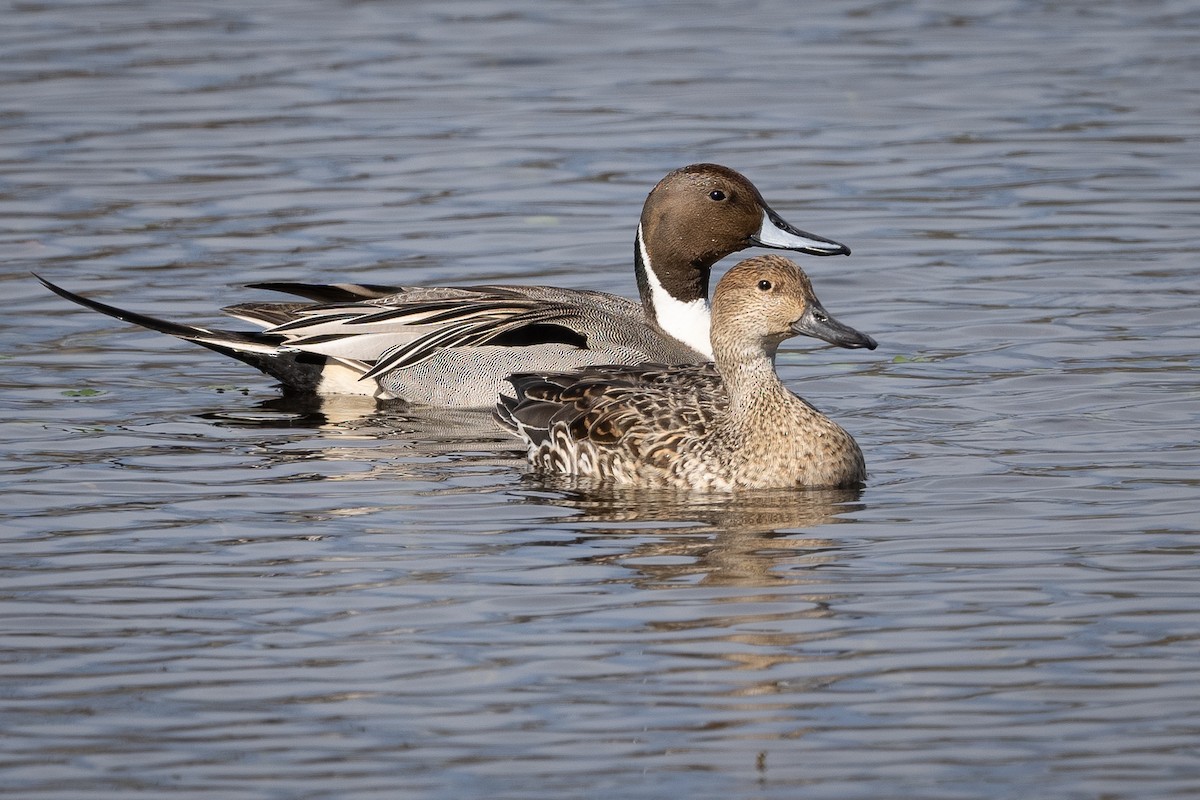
[(453, 346), (724, 426)]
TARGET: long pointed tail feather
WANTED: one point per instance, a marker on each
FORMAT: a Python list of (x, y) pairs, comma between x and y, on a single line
[(259, 350)]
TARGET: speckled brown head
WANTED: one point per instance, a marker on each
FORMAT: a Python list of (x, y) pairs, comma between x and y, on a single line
[(766, 299)]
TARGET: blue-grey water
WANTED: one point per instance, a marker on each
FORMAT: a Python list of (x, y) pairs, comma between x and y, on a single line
[(205, 592)]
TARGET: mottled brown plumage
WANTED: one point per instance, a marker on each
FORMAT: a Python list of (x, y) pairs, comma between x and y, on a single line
[(721, 426)]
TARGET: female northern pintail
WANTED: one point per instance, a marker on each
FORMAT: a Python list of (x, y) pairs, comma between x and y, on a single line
[(453, 346), (704, 427)]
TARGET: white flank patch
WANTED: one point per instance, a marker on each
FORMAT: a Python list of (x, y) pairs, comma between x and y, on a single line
[(339, 379), (689, 322)]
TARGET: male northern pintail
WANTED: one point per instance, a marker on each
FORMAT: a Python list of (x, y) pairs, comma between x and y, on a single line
[(453, 346), (722, 427)]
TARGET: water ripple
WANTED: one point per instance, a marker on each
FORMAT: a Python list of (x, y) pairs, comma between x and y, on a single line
[(212, 591)]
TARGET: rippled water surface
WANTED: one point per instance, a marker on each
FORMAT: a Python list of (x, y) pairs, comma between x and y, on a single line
[(209, 592)]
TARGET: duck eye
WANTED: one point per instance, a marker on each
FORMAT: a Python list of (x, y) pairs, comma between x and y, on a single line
[(764, 286), (716, 194)]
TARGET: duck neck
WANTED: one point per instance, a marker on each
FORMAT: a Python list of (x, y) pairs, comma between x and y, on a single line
[(749, 376), (674, 295)]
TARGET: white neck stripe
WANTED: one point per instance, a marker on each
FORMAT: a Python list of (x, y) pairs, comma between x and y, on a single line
[(688, 322)]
